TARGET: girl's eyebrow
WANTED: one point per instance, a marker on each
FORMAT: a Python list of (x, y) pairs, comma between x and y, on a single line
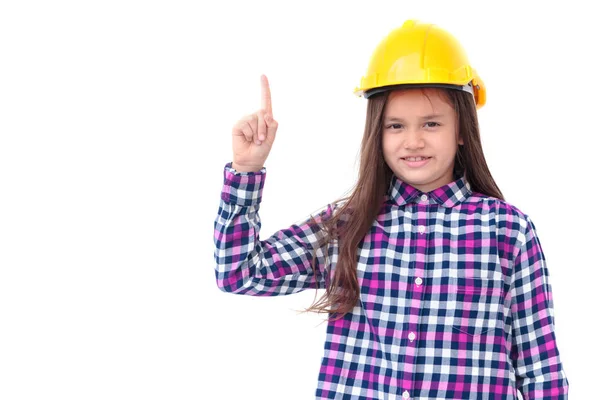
[(424, 117)]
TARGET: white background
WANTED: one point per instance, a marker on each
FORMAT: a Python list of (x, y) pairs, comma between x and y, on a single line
[(115, 123)]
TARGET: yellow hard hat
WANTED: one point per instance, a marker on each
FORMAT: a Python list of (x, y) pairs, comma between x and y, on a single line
[(422, 55)]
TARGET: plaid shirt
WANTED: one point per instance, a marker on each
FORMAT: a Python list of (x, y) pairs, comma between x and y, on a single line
[(455, 301)]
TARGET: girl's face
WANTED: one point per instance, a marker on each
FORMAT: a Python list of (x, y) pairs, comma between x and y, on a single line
[(420, 123)]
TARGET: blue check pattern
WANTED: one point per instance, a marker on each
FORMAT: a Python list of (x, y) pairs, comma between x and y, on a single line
[(455, 299)]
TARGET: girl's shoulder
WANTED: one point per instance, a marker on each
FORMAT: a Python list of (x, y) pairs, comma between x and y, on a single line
[(504, 210)]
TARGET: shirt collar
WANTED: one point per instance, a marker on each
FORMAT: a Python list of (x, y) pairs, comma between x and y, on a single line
[(448, 195)]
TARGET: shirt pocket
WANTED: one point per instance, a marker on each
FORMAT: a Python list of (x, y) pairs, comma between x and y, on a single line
[(478, 305)]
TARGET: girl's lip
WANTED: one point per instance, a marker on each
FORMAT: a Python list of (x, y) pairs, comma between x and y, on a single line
[(416, 164)]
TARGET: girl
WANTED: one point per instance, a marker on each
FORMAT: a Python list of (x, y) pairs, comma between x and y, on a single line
[(436, 287)]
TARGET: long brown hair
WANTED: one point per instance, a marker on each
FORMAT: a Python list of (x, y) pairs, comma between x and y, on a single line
[(355, 213)]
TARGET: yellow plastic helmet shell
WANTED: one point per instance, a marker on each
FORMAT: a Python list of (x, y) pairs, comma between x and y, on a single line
[(420, 54)]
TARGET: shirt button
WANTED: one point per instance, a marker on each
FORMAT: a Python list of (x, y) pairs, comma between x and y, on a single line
[(411, 336), (405, 394), (421, 229), (423, 197), (418, 281)]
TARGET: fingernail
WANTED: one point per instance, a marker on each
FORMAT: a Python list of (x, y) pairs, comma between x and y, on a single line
[(258, 142), (262, 137)]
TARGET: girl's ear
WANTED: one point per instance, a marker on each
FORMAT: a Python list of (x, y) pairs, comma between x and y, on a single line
[(460, 140)]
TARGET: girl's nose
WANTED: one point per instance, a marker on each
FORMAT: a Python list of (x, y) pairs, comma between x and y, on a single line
[(413, 140)]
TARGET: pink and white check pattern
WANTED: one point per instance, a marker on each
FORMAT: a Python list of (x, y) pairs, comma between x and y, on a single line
[(455, 299)]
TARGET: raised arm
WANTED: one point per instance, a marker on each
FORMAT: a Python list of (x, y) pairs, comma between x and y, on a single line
[(279, 265)]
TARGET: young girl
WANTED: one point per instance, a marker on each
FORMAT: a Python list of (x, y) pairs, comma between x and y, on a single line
[(436, 287)]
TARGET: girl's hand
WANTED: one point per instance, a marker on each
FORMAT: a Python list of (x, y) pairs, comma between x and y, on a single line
[(253, 135)]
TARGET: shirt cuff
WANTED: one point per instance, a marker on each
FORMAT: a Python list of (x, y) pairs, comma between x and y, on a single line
[(242, 188)]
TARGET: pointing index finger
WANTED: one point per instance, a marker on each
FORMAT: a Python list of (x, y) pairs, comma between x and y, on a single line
[(266, 95)]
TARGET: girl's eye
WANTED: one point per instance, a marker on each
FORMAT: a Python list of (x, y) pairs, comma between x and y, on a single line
[(395, 126), (432, 124)]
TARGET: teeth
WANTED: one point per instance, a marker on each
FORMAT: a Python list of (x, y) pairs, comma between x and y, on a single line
[(415, 158)]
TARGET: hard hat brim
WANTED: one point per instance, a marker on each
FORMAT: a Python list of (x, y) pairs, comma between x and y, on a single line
[(373, 92)]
